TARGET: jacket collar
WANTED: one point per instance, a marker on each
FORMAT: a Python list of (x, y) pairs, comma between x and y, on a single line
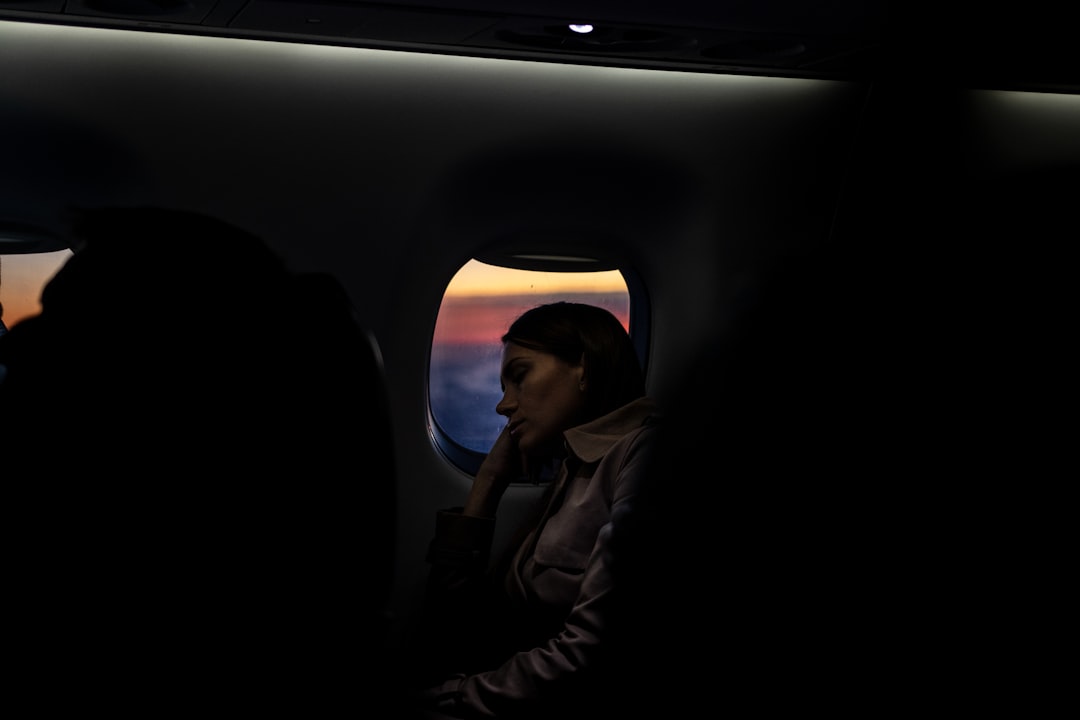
[(591, 441)]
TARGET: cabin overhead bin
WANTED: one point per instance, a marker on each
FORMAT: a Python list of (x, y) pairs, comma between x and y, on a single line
[(710, 37), (853, 39)]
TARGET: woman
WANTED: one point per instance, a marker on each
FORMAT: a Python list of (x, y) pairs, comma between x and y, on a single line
[(524, 635)]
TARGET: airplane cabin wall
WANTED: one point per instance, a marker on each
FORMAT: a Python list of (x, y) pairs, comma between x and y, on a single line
[(956, 223), (695, 210)]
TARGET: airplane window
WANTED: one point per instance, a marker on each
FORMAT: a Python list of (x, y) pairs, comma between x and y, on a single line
[(22, 276), (477, 307)]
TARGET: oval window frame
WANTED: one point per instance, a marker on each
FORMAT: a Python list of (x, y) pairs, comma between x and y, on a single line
[(467, 459)]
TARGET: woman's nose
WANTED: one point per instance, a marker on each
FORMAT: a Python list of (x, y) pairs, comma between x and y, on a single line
[(504, 407)]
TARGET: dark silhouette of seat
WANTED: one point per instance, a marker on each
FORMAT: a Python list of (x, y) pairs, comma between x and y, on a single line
[(200, 473)]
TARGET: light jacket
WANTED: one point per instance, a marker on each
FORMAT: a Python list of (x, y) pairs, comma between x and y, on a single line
[(558, 585)]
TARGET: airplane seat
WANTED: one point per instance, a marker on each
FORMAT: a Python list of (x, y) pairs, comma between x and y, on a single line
[(773, 540), (202, 459), (341, 415)]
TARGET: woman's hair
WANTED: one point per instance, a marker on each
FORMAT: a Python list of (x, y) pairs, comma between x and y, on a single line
[(572, 331)]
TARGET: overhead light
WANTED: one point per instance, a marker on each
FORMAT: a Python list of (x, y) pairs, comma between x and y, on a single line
[(584, 37)]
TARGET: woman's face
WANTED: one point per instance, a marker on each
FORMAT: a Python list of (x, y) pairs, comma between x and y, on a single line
[(542, 396)]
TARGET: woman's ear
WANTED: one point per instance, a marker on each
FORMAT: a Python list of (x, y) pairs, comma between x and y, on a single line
[(581, 373)]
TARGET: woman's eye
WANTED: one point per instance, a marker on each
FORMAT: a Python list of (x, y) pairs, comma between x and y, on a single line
[(514, 379)]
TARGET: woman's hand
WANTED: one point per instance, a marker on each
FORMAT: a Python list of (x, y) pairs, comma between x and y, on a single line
[(504, 464)]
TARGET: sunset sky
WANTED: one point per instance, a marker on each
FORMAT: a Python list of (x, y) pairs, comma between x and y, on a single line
[(21, 280), (482, 300), (477, 278)]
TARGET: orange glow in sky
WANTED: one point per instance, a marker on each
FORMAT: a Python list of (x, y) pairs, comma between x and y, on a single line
[(477, 278), (21, 279)]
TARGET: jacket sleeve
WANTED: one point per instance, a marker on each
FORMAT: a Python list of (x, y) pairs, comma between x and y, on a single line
[(560, 672)]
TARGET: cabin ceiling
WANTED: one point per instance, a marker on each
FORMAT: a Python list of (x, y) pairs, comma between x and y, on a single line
[(1022, 47)]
